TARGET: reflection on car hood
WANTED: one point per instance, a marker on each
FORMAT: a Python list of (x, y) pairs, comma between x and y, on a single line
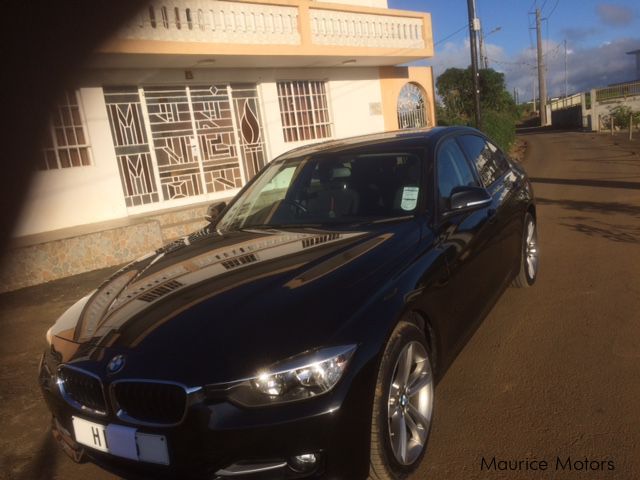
[(218, 293)]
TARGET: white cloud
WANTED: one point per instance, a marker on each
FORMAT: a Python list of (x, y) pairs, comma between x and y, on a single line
[(458, 55), (452, 54), (615, 15), (588, 67)]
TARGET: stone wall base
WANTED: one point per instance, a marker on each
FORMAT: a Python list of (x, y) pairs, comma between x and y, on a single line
[(41, 258)]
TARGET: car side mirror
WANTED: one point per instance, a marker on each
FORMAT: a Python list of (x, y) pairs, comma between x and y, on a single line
[(214, 211), (468, 198)]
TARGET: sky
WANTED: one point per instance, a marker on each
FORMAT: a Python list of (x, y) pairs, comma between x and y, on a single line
[(598, 35)]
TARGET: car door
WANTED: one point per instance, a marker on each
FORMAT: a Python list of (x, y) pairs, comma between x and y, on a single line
[(498, 178), (462, 237)]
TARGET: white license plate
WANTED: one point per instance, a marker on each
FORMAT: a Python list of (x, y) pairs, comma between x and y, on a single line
[(121, 441)]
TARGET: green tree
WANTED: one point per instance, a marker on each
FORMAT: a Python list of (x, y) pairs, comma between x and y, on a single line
[(499, 111), (455, 87)]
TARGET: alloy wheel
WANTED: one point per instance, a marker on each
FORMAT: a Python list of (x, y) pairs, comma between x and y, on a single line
[(531, 250), (410, 403)]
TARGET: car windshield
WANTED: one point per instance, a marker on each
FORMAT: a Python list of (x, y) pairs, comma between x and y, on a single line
[(329, 189)]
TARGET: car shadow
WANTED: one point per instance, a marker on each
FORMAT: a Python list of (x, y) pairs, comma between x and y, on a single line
[(590, 206), (43, 463), (615, 233), (588, 182)]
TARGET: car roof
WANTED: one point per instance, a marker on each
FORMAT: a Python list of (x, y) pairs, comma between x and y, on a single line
[(399, 138)]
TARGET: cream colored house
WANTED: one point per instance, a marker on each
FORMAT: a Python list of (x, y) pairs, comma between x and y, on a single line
[(190, 99)]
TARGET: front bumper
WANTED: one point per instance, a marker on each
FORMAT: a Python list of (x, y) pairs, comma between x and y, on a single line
[(218, 439)]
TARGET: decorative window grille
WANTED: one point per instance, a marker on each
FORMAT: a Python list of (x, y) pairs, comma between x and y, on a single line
[(131, 144), (304, 110), (174, 142), (66, 143), (412, 107)]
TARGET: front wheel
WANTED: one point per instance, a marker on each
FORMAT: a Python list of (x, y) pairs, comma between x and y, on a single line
[(530, 254), (403, 405)]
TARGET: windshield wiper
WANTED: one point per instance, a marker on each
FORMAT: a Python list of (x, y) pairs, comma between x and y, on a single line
[(393, 219), (262, 226)]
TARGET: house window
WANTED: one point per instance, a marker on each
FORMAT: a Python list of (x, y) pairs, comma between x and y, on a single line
[(65, 144), (304, 110)]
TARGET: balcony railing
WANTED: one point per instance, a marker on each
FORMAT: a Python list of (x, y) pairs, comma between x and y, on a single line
[(329, 27), (279, 22), (618, 91), (215, 22)]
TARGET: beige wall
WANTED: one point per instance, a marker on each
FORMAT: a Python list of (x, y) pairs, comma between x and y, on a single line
[(354, 94), (361, 3), (354, 98), (83, 195), (74, 196), (392, 79)]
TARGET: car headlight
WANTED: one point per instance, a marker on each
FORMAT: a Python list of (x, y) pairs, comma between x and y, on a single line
[(297, 378)]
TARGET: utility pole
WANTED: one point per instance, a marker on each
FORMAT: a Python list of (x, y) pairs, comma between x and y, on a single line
[(566, 84), (481, 54), (474, 26), (541, 73), (479, 37)]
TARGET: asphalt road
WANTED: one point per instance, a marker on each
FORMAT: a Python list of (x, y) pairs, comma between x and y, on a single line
[(553, 372)]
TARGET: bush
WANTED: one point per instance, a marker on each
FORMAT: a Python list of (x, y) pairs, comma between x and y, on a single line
[(500, 127), (621, 115), (445, 118)]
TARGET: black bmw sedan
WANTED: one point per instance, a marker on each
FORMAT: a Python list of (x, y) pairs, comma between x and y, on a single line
[(301, 333)]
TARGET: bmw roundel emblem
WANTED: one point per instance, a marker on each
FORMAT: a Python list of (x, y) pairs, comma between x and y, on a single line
[(115, 364)]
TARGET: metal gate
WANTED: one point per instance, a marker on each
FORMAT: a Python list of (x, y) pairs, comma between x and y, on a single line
[(412, 107), (184, 141)]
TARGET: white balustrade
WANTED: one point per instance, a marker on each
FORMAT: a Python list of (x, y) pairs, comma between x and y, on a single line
[(215, 22), (237, 22), (330, 27)]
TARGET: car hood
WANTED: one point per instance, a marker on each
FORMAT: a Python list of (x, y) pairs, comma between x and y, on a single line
[(234, 301)]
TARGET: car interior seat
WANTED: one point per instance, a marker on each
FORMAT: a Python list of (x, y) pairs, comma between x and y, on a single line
[(336, 198)]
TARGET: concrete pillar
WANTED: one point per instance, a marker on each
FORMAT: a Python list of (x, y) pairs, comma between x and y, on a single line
[(595, 118)]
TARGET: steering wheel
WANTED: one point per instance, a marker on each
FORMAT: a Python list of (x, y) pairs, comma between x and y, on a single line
[(295, 204)]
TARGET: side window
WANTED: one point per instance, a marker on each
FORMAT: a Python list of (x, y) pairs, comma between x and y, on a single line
[(502, 164), (487, 158), (453, 171)]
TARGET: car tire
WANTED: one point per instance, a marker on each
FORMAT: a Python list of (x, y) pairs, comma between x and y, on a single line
[(529, 258), (403, 402)]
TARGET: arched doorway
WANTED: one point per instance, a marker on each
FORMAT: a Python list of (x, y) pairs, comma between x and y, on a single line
[(412, 107)]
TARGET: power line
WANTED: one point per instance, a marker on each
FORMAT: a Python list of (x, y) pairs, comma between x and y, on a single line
[(553, 9), (504, 62), (464, 27), (556, 50)]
